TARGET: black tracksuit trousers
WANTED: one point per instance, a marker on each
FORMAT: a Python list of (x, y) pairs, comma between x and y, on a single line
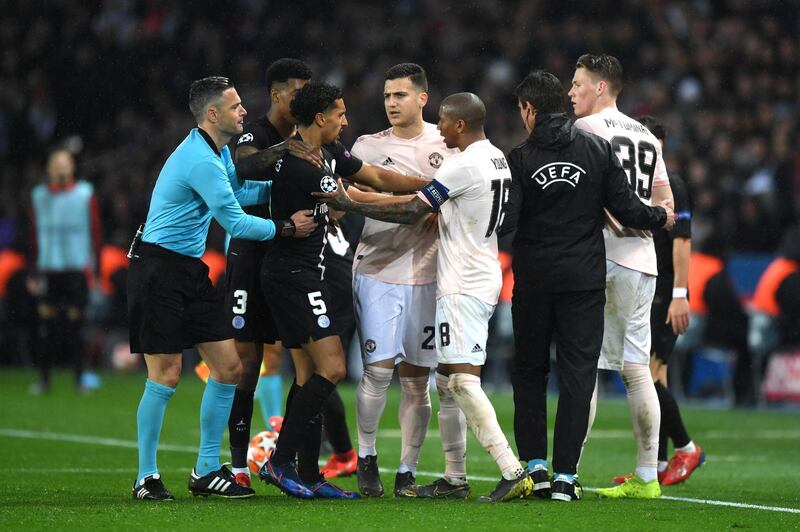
[(575, 321)]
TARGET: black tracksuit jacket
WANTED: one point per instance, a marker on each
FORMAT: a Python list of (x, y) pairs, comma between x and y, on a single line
[(562, 178)]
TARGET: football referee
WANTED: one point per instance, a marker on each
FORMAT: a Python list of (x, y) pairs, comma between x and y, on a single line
[(562, 178), (171, 302)]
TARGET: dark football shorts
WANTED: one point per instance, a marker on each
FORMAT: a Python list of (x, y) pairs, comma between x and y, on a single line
[(172, 304), (663, 339), (246, 308), (300, 302), (65, 289)]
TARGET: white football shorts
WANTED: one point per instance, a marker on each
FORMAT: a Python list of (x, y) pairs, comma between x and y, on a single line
[(462, 327), (395, 321), (626, 336)]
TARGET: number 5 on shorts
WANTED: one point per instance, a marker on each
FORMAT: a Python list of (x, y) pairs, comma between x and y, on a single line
[(317, 304)]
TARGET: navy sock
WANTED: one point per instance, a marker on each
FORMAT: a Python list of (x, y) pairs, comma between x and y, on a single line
[(239, 426)]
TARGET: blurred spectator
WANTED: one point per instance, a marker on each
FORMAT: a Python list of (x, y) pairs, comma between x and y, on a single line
[(66, 245), (722, 74)]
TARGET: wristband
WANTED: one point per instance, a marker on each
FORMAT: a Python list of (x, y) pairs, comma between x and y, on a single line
[(679, 293), (285, 228)]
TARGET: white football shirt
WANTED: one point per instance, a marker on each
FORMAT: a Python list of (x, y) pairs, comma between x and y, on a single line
[(400, 253), (470, 189), (639, 152)]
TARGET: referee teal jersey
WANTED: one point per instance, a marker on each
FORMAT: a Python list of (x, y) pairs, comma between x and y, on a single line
[(196, 183)]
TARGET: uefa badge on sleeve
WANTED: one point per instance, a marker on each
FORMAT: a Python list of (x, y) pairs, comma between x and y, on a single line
[(369, 345)]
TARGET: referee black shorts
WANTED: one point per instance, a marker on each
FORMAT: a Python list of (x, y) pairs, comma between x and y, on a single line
[(300, 302), (663, 339), (246, 309), (172, 304)]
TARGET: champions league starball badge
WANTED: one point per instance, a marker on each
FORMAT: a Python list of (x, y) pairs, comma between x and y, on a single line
[(369, 346), (238, 322), (324, 321), (328, 184)]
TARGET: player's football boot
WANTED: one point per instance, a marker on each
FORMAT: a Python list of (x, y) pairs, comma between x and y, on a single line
[(150, 488), (286, 479), (369, 478), (325, 490), (219, 483), (403, 481), (633, 488), (340, 465), (622, 478), (541, 482), (202, 371), (243, 479), (440, 489), (563, 490), (506, 490), (681, 466)]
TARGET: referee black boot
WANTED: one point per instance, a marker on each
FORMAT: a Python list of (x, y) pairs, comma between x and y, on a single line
[(150, 488), (220, 483), (566, 491)]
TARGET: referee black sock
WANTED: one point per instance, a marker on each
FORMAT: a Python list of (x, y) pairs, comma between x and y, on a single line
[(671, 419), (239, 426), (306, 404), (335, 424)]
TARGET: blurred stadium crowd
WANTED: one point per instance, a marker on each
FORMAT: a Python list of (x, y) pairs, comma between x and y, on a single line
[(109, 80)]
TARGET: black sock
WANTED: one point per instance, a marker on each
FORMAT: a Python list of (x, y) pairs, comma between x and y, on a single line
[(308, 452), (45, 348), (306, 403), (663, 440), (671, 417), (74, 347), (290, 396), (335, 424), (239, 426)]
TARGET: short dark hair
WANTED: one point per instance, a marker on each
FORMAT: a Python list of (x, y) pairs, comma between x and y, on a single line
[(655, 127), (286, 68), (605, 67), (543, 90), (412, 71), (313, 98), (204, 91)]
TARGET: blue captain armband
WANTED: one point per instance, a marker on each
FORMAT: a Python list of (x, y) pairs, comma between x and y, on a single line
[(436, 194)]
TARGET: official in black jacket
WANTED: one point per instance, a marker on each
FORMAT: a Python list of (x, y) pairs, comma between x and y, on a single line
[(563, 178)]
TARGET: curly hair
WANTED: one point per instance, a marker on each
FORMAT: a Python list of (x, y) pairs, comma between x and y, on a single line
[(313, 98)]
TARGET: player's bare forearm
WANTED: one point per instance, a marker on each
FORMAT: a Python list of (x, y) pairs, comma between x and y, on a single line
[(361, 196), (386, 180), (406, 211), (681, 256), (258, 163)]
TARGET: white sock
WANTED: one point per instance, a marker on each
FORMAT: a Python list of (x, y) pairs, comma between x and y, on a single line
[(645, 415), (592, 414), (237, 470), (482, 419), (662, 466), (453, 430), (414, 414), (370, 402), (688, 448)]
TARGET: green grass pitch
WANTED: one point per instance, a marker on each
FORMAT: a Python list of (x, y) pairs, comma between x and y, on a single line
[(69, 462)]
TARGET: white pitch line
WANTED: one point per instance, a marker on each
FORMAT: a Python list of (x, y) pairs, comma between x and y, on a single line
[(113, 442), (626, 434)]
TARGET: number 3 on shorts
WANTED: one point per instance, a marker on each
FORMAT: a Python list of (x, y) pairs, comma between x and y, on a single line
[(317, 304), (241, 302)]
